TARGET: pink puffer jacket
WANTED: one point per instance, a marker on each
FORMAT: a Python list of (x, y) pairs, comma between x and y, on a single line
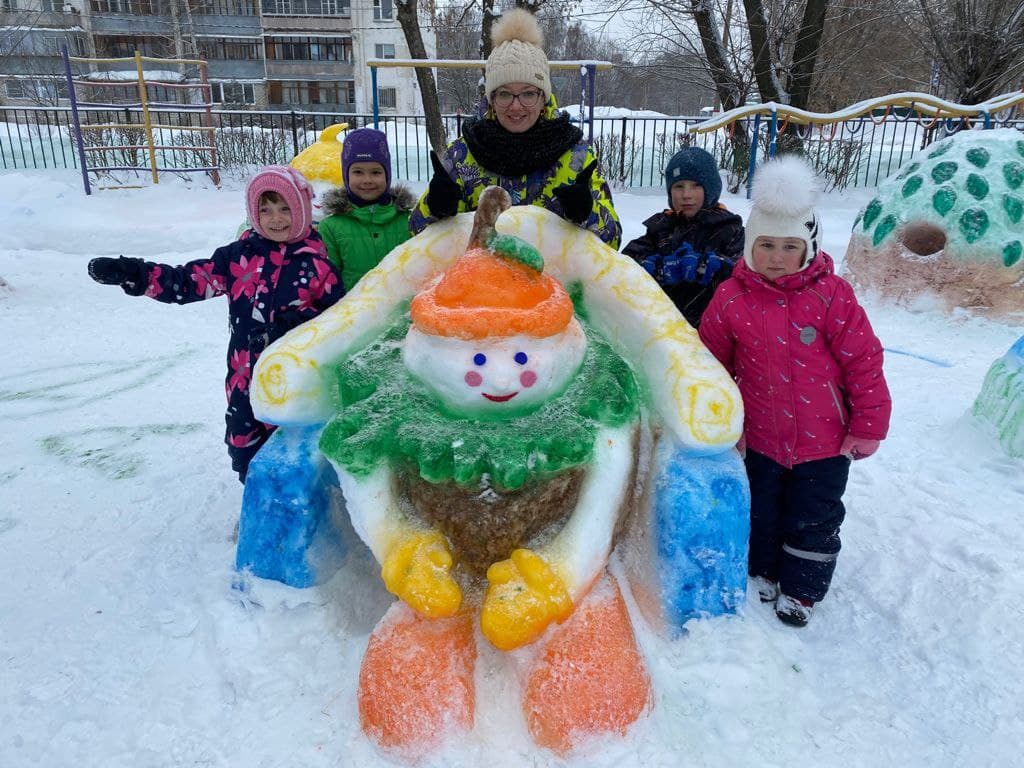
[(807, 363)]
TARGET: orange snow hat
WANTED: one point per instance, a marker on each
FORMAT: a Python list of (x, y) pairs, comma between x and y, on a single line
[(485, 294)]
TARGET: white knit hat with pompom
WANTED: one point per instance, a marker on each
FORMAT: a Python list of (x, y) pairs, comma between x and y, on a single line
[(784, 193), (517, 55)]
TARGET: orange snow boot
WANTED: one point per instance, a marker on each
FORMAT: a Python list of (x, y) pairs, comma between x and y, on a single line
[(590, 679), (416, 683)]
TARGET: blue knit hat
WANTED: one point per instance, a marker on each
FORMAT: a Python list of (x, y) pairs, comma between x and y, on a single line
[(694, 164), (365, 145)]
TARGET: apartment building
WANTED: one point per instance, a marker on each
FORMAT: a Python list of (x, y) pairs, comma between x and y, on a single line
[(276, 54)]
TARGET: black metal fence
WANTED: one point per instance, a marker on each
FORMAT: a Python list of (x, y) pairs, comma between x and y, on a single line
[(633, 150)]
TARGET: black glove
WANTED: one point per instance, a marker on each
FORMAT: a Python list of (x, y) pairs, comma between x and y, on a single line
[(576, 199), (443, 194), (130, 274)]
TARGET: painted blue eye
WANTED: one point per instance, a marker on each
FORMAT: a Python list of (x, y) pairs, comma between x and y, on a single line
[(479, 358), (521, 358)]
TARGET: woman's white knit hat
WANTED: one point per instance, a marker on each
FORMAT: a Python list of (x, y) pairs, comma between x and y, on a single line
[(517, 55), (784, 193)]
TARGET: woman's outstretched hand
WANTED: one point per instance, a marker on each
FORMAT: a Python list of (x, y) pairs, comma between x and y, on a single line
[(443, 193), (576, 198)]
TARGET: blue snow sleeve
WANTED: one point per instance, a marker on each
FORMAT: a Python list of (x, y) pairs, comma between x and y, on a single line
[(285, 532), (701, 512)]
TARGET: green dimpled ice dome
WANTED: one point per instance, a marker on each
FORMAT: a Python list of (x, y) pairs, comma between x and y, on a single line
[(969, 185)]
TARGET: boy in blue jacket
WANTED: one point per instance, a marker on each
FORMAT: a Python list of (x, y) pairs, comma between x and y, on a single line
[(691, 247)]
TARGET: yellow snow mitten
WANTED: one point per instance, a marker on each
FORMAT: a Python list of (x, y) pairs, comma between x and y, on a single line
[(524, 596), (418, 570)]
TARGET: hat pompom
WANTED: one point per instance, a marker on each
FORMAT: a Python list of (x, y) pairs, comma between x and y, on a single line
[(517, 54), (784, 193), (517, 24), (785, 186)]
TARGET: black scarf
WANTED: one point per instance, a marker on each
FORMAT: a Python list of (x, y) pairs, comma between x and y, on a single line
[(517, 154)]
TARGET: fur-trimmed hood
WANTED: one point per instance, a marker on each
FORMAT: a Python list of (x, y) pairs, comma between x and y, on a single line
[(337, 202)]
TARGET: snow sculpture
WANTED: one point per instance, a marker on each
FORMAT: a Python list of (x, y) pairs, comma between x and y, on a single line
[(950, 223), (496, 414), (1000, 404), (320, 163)]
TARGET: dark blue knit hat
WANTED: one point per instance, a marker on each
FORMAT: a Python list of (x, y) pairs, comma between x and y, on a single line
[(694, 164), (365, 145)]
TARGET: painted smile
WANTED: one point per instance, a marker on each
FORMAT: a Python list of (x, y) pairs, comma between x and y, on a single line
[(499, 398)]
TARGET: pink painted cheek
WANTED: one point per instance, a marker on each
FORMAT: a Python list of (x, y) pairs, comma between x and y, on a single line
[(474, 379), (528, 378)]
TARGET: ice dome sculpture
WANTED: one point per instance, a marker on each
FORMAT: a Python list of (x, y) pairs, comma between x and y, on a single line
[(950, 223), (1000, 404)]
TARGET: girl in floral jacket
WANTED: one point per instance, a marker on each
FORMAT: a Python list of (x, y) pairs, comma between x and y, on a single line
[(276, 276), (809, 368)]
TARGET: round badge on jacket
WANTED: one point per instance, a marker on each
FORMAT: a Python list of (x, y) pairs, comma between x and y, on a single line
[(808, 334)]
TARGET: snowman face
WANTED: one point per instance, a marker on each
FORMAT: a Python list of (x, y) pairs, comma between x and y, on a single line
[(499, 376)]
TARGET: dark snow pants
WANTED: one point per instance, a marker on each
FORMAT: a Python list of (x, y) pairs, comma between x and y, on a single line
[(245, 433), (795, 516)]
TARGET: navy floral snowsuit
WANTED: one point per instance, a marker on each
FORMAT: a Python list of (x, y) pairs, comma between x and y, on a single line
[(271, 288)]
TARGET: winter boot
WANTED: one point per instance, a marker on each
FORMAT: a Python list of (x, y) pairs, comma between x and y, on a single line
[(767, 589), (793, 611)]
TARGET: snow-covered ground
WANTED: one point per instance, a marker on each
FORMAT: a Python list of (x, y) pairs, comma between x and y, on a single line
[(124, 645)]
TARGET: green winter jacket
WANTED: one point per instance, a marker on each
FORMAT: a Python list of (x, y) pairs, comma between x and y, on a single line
[(533, 188), (357, 238)]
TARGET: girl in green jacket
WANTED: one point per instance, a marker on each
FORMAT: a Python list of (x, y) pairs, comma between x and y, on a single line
[(367, 217)]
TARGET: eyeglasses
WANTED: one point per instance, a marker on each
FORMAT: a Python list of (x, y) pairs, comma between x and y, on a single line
[(526, 98)]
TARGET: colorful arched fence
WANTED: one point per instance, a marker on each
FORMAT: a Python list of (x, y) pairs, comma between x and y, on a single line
[(936, 113)]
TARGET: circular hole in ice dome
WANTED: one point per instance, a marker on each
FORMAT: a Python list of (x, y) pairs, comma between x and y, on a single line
[(923, 238)]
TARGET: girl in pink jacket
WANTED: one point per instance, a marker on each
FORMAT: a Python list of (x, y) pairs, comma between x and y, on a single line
[(809, 369)]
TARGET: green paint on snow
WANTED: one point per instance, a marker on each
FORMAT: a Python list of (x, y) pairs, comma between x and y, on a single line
[(1013, 172), (885, 226), (974, 224), (943, 200), (912, 185), (978, 157), (943, 171), (977, 187), (1014, 208), (871, 213), (1012, 253)]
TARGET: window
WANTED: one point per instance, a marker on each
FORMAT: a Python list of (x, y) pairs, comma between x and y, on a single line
[(233, 93), (119, 46), (8, 5), (230, 48), (308, 7), (384, 51), (15, 89), (383, 10), (225, 8), (309, 49), (310, 92), (387, 98)]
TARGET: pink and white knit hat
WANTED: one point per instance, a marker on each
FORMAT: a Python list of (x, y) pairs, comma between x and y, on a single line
[(290, 185)]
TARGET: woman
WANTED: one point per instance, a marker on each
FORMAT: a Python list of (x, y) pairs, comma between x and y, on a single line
[(523, 144)]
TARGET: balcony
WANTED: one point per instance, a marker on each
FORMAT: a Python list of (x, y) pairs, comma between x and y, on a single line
[(309, 70)]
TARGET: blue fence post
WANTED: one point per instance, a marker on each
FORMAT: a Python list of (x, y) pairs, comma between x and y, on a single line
[(753, 154), (74, 113), (773, 130), (376, 104), (987, 118), (591, 77)]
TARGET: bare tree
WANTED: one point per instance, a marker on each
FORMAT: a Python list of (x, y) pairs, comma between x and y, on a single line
[(408, 19), (978, 43)]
